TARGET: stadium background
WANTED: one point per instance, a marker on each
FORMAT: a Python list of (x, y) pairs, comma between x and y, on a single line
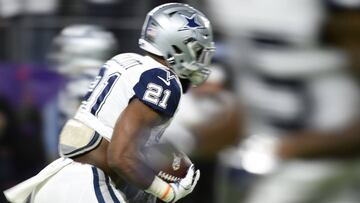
[(28, 84)]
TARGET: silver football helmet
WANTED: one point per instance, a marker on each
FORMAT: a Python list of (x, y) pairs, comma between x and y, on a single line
[(82, 49), (183, 36)]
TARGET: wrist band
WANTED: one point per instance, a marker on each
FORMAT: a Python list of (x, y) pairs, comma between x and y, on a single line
[(161, 189), (166, 192)]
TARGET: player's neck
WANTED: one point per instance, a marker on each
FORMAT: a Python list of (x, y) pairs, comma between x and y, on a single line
[(159, 59)]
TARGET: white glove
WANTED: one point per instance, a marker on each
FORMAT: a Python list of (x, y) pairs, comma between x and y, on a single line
[(174, 191), (186, 185)]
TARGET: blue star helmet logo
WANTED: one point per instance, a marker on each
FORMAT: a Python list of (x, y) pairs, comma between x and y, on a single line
[(191, 23)]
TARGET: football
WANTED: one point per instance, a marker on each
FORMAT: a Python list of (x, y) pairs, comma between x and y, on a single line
[(168, 163)]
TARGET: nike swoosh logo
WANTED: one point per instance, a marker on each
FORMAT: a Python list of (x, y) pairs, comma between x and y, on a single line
[(167, 82)]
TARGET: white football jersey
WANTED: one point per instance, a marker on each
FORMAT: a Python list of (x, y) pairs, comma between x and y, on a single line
[(288, 91), (123, 78), (293, 90)]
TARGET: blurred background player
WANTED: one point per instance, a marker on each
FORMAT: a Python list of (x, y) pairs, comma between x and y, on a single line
[(77, 53), (301, 106)]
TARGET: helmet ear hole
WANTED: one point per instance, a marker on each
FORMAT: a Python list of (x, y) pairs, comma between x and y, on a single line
[(170, 59), (177, 49)]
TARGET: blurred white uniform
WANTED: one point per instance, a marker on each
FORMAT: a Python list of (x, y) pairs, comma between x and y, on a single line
[(311, 92), (284, 91), (288, 84)]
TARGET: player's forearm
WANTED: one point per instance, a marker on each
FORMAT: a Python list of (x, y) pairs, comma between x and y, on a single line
[(132, 170), (123, 154), (124, 158), (319, 145), (217, 134), (140, 175)]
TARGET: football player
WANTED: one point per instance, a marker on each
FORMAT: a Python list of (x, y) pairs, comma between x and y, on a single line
[(76, 53), (301, 108), (128, 106)]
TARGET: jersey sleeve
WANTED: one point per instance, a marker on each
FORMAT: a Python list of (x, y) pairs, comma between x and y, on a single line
[(159, 90)]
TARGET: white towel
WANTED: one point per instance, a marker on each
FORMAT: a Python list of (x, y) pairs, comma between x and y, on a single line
[(20, 192)]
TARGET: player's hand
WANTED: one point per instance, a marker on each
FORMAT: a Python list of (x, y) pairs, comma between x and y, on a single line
[(186, 185)]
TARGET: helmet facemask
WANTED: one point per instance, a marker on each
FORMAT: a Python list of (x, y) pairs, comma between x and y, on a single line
[(199, 66)]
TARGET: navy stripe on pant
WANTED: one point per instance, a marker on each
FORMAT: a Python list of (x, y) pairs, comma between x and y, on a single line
[(112, 194), (97, 189), (98, 194)]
